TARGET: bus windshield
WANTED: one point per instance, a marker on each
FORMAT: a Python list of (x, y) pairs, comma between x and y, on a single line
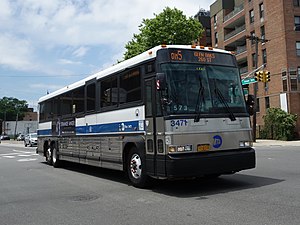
[(203, 89)]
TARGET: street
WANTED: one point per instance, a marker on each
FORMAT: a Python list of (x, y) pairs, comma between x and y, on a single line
[(31, 192)]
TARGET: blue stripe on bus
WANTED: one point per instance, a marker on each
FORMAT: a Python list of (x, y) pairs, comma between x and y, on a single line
[(111, 127), (44, 132), (130, 126)]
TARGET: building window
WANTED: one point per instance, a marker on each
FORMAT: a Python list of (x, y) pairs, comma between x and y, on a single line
[(267, 102), (216, 38), (298, 72), (261, 10), (262, 33), (264, 56), (298, 48), (297, 23), (284, 81), (296, 2), (252, 35), (257, 105), (251, 16), (215, 20), (293, 80)]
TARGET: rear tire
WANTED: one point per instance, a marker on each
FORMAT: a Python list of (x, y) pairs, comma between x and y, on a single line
[(48, 155), (136, 168), (55, 158)]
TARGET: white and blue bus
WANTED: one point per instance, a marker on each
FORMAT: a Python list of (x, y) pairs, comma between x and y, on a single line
[(171, 112)]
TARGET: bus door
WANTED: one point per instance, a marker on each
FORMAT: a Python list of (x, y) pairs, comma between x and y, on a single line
[(154, 130)]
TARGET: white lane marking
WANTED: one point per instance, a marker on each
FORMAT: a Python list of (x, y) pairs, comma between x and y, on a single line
[(24, 152), (26, 160), (9, 156)]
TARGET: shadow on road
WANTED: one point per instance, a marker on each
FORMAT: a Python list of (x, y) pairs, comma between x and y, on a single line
[(181, 188), (205, 187)]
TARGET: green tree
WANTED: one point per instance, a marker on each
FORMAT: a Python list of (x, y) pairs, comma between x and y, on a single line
[(279, 124), (168, 27), (9, 107)]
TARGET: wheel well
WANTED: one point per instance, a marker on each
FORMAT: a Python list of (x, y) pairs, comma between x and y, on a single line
[(126, 149)]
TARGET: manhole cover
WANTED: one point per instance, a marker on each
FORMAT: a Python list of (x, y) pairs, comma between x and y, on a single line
[(84, 198)]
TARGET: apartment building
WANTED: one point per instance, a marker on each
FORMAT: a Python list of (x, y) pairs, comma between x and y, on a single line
[(275, 24)]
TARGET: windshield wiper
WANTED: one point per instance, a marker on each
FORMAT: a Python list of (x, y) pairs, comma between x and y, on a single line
[(222, 99), (199, 102)]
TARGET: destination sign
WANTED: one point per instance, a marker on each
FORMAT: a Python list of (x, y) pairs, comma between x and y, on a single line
[(196, 56)]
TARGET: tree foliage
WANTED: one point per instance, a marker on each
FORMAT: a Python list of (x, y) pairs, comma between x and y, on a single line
[(168, 27), (279, 125), (9, 107)]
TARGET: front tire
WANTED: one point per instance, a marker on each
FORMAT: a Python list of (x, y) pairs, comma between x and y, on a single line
[(136, 168)]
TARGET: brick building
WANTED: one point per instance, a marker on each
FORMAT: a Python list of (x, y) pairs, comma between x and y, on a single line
[(276, 24)]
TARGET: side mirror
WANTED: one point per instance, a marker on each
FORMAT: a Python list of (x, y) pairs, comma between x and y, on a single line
[(161, 83), (251, 105)]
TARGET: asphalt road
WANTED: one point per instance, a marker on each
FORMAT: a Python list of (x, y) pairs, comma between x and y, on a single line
[(31, 192)]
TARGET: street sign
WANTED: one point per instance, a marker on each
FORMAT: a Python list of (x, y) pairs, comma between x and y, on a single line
[(249, 81)]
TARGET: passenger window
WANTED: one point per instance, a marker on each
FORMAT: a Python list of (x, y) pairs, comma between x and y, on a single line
[(91, 97), (130, 86), (78, 100), (109, 92)]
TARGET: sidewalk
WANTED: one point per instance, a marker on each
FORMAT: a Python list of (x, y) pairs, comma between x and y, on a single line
[(262, 142)]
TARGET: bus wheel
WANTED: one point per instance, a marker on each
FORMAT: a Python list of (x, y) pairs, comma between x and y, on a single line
[(49, 155), (55, 158), (136, 168)]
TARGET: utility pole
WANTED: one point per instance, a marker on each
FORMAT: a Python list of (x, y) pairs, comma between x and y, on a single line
[(256, 40)]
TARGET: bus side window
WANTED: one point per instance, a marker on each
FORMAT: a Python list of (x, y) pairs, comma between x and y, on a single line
[(91, 97), (109, 92), (130, 86)]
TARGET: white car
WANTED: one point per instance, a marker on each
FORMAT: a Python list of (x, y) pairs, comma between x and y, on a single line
[(30, 139)]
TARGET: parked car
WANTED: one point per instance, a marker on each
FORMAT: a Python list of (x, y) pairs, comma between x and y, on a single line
[(20, 137), (4, 137), (30, 139)]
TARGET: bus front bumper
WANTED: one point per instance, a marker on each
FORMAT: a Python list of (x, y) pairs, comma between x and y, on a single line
[(201, 164)]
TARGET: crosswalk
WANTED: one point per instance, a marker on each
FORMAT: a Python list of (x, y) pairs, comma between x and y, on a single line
[(20, 156)]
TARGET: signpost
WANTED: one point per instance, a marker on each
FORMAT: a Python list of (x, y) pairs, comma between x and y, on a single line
[(249, 81)]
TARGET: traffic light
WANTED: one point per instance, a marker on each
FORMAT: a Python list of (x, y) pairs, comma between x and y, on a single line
[(259, 75), (267, 76)]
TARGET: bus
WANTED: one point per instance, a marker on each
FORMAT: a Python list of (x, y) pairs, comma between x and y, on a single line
[(174, 111)]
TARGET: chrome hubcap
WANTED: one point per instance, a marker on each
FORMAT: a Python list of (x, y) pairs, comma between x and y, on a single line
[(54, 155), (136, 166)]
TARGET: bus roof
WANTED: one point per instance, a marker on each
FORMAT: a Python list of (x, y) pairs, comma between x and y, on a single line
[(147, 55)]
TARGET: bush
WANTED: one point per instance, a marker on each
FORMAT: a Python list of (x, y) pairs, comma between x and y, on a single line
[(279, 125)]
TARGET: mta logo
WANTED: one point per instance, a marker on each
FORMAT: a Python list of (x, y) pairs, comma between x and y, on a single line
[(217, 141)]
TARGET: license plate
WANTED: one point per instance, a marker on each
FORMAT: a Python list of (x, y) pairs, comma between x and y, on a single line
[(203, 147)]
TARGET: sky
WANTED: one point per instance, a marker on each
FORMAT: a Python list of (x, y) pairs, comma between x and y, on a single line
[(48, 44)]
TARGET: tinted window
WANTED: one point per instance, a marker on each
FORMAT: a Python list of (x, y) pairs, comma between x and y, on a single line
[(109, 92), (130, 86), (91, 97), (78, 100)]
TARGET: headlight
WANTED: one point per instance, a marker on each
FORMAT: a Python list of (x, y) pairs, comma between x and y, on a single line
[(180, 148), (245, 144)]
